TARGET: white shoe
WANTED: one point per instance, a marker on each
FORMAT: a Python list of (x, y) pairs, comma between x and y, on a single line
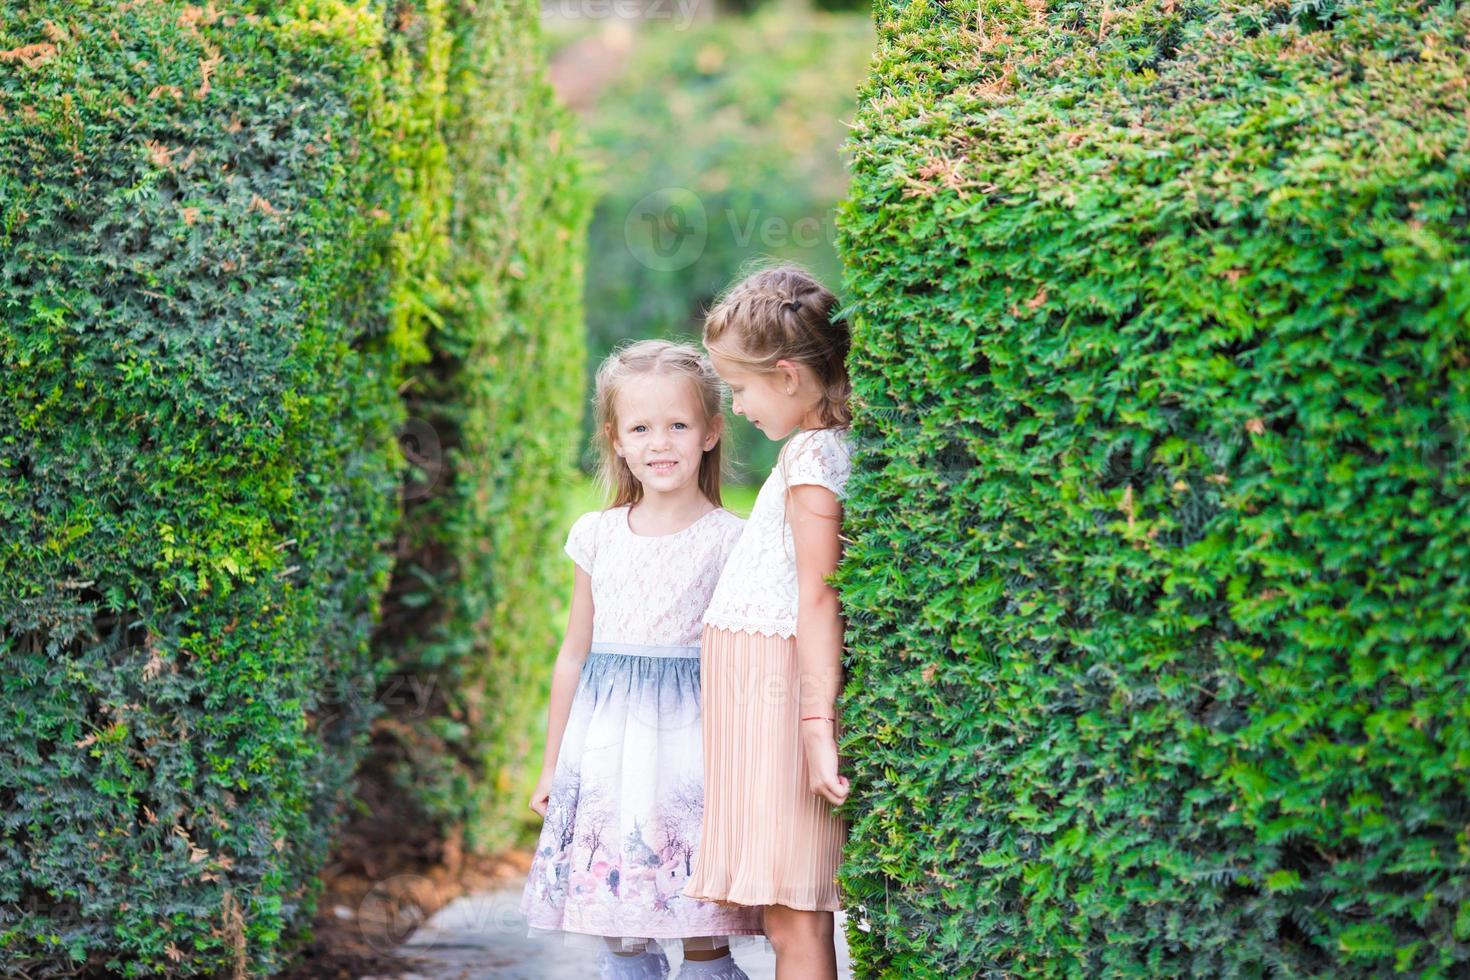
[(651, 964), (724, 968)]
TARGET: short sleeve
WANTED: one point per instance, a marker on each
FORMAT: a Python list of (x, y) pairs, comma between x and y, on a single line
[(580, 543), (818, 456)]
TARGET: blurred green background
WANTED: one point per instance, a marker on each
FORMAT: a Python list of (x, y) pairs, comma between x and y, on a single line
[(714, 136)]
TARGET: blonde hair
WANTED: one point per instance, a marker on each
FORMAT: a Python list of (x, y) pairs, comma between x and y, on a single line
[(640, 359), (781, 311)]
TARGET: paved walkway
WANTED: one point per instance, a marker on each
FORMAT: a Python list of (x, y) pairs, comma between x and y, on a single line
[(483, 937)]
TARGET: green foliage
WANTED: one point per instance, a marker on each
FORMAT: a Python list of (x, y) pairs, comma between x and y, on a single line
[(718, 143), (227, 236), (1158, 597), (479, 588), (194, 448)]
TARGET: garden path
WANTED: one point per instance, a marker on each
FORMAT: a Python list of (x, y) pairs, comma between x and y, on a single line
[(483, 937)]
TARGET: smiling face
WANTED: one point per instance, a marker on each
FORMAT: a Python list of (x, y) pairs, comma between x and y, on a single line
[(661, 432), (771, 401)]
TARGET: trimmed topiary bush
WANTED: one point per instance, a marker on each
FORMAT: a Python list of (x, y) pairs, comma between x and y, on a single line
[(239, 246), (1159, 589), (192, 507), (476, 607)]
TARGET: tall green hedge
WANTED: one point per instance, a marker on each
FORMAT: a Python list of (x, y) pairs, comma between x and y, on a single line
[(1159, 590), (476, 607), (235, 250)]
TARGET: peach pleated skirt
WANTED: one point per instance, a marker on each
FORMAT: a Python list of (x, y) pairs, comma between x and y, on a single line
[(766, 838)]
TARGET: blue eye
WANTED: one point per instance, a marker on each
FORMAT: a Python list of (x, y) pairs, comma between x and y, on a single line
[(637, 427), (681, 424)]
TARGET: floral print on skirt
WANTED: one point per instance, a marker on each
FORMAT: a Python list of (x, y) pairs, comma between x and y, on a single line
[(626, 805)]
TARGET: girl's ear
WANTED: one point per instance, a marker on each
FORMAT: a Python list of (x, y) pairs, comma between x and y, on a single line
[(789, 375), (716, 430)]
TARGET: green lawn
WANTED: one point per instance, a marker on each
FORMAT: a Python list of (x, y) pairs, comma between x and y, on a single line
[(740, 500)]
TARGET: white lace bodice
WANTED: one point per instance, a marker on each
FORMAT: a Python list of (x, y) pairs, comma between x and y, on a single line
[(651, 589), (757, 590)]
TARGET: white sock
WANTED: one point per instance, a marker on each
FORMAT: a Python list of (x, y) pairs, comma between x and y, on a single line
[(643, 966), (723, 968)]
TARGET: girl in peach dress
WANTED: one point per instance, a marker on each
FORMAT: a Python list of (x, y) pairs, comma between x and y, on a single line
[(772, 639)]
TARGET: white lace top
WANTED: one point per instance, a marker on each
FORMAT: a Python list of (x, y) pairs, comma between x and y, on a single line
[(646, 589), (757, 590)]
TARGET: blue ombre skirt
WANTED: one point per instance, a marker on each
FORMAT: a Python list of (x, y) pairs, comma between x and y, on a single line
[(627, 801)]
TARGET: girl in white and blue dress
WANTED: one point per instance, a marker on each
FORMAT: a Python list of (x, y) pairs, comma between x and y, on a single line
[(621, 789)]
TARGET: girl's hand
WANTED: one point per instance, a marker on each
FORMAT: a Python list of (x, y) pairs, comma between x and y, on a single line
[(820, 745), (541, 794)]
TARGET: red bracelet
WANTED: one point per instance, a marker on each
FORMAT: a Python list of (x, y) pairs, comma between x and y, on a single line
[(818, 718)]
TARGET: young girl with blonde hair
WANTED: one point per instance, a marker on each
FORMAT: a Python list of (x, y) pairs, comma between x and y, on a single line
[(621, 786), (771, 644)]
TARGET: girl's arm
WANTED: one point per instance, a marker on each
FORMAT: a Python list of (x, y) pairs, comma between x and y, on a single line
[(815, 517), (574, 649)]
